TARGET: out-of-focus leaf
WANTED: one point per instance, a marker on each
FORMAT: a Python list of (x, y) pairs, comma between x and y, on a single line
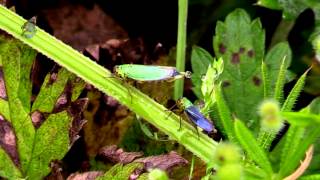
[(240, 42), (272, 4), (273, 61), (301, 118), (118, 155), (200, 60), (51, 142)]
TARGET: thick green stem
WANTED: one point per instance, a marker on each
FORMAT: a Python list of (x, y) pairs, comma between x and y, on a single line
[(96, 75), (181, 45)]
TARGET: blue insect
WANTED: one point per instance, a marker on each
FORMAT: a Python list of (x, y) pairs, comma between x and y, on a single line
[(193, 113)]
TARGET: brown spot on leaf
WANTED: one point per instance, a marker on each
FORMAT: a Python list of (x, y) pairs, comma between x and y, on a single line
[(37, 119), (3, 93), (241, 50), (225, 83), (222, 48), (256, 81), (235, 59), (251, 53), (115, 155), (76, 110)]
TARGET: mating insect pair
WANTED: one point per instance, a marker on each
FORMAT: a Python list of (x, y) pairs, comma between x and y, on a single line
[(165, 73)]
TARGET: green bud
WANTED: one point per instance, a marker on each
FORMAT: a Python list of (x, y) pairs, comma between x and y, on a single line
[(227, 153), (157, 174), (269, 112)]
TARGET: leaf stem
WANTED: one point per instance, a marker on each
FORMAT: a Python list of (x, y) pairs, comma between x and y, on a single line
[(181, 46)]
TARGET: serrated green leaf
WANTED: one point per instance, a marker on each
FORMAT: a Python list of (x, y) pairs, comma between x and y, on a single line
[(273, 61), (294, 93), (50, 92), (120, 171), (280, 81), (200, 60), (51, 142), (224, 115), (77, 86), (11, 60), (240, 42), (7, 168), (251, 146)]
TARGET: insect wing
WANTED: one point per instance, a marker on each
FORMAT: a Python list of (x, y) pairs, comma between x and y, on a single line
[(150, 73), (195, 115)]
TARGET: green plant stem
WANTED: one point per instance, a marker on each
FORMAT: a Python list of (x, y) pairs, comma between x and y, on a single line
[(181, 46), (88, 70)]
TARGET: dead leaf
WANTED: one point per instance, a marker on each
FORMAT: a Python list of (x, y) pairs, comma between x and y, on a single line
[(115, 155)]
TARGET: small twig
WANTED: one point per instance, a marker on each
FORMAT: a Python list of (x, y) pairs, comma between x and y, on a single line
[(304, 165)]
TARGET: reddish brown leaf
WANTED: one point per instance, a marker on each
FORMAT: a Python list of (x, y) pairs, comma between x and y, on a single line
[(115, 155), (3, 93), (37, 119), (165, 162), (91, 175), (8, 140)]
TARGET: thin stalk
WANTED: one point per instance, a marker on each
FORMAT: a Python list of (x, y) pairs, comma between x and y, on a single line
[(181, 46), (202, 146), (282, 32)]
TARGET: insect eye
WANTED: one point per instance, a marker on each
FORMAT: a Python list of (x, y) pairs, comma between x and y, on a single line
[(188, 74)]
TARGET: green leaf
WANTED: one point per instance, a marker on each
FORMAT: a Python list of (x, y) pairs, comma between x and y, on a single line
[(251, 146), (120, 171), (240, 42), (51, 142), (11, 60), (272, 4), (310, 177), (294, 93), (7, 168), (51, 91), (4, 109), (281, 80), (224, 115), (293, 160), (200, 60), (301, 118), (273, 61)]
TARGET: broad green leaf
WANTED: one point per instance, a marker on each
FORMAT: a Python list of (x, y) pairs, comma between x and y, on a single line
[(51, 142), (7, 168), (273, 61), (200, 60), (51, 91), (120, 171), (251, 146), (240, 42), (11, 60), (77, 86)]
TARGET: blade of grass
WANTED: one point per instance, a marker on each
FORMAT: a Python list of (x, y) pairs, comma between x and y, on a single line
[(181, 46), (250, 145), (202, 146)]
